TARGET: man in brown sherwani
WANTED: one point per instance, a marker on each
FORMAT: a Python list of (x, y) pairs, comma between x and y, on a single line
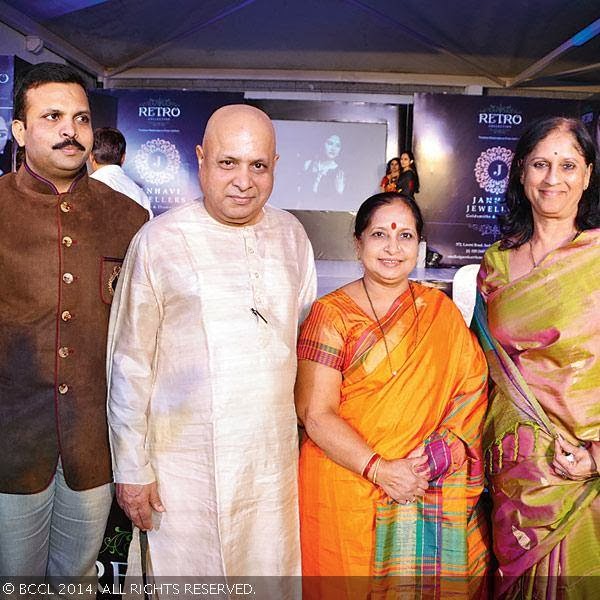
[(62, 240)]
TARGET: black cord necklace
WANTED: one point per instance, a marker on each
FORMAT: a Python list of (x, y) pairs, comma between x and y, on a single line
[(394, 373), (387, 351)]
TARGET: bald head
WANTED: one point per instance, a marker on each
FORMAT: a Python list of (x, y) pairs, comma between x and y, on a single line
[(238, 117), (237, 163)]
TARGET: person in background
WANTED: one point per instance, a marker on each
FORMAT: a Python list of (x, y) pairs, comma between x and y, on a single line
[(202, 369), (63, 237), (390, 179), (391, 470), (107, 158), (408, 180), (538, 321)]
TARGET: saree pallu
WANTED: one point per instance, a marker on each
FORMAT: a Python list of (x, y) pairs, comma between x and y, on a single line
[(355, 544), (541, 336)]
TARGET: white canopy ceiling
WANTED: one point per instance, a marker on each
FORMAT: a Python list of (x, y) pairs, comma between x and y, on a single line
[(513, 44)]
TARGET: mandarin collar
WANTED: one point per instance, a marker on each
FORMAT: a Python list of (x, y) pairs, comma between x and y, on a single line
[(234, 228), (30, 181)]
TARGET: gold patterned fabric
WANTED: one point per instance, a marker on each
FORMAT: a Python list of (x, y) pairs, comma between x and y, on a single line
[(542, 339)]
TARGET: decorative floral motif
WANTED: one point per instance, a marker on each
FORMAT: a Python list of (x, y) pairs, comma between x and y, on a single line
[(491, 169), (118, 544), (158, 161)]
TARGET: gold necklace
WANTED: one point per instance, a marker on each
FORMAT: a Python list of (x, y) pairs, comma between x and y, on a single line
[(535, 264), (394, 373), (533, 261)]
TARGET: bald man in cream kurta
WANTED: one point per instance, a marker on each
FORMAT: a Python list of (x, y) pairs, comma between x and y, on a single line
[(202, 365), (216, 383)]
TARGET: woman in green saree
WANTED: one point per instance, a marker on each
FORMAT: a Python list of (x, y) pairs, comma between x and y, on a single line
[(538, 319)]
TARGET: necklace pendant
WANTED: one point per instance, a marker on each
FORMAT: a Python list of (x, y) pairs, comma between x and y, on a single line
[(394, 373)]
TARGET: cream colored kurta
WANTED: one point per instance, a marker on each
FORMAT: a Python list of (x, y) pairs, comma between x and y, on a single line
[(201, 388)]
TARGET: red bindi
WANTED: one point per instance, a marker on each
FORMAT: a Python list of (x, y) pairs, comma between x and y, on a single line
[(393, 225)]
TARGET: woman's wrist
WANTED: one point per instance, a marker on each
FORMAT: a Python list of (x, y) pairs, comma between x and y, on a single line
[(439, 456), (371, 466), (375, 470), (368, 465)]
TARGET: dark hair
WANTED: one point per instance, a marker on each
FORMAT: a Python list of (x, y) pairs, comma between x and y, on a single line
[(388, 166), (370, 205), (517, 225), (413, 168), (36, 75), (109, 146)]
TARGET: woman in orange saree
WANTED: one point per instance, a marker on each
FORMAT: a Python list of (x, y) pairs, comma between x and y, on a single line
[(391, 388)]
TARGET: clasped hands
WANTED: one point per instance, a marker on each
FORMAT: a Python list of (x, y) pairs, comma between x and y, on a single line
[(404, 479), (573, 462)]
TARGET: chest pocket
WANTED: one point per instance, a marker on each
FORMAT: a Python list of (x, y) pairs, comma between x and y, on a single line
[(110, 268)]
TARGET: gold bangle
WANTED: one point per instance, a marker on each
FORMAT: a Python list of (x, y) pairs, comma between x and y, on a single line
[(375, 469)]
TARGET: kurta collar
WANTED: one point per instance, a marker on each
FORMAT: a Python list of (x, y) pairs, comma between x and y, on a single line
[(232, 228), (114, 169), (29, 181)]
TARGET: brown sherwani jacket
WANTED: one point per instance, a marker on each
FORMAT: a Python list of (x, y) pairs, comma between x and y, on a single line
[(60, 255)]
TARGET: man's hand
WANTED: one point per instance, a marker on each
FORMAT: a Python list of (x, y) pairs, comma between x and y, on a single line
[(138, 502)]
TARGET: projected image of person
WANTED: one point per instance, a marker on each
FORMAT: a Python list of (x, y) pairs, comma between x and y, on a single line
[(325, 176), (391, 469), (389, 183), (537, 319), (408, 181)]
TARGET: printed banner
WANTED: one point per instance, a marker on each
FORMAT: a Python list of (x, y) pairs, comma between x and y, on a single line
[(112, 560), (162, 129), (7, 71), (463, 149)]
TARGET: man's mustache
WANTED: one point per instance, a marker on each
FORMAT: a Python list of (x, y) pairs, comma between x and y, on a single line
[(68, 142)]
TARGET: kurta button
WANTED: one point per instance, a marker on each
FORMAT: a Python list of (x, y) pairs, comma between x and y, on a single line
[(64, 351), (63, 388), (66, 315), (67, 241), (65, 206), (67, 278)]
